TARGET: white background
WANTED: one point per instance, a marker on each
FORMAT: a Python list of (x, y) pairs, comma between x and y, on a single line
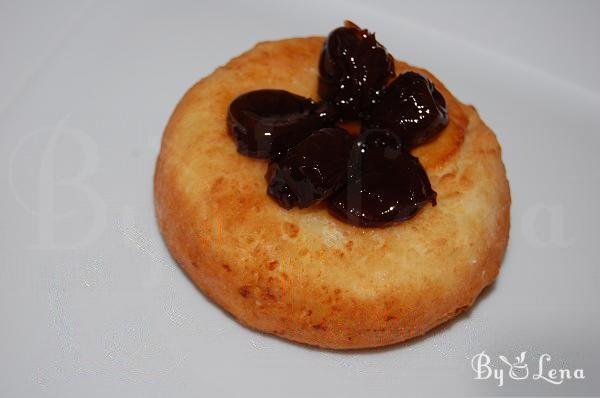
[(92, 305)]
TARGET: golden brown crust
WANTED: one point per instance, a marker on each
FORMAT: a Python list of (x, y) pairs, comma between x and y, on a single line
[(301, 274)]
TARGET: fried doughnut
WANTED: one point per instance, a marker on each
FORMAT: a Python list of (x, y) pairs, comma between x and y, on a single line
[(301, 274)]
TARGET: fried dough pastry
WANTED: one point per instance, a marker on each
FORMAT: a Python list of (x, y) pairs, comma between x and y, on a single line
[(301, 274)]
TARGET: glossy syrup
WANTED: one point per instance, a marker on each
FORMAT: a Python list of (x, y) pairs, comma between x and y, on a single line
[(368, 180)]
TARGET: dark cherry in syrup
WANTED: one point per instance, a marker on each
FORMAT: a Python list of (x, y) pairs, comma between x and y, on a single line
[(312, 170), (412, 108), (266, 123), (385, 183), (353, 69), (370, 181), (373, 144)]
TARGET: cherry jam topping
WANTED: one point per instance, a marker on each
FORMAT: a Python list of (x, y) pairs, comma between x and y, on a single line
[(353, 69), (312, 170), (369, 181), (268, 122), (385, 183), (412, 108)]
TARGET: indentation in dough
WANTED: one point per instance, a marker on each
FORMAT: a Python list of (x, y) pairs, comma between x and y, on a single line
[(244, 291), (291, 229)]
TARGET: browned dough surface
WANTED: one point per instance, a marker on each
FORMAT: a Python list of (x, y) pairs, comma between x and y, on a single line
[(301, 274)]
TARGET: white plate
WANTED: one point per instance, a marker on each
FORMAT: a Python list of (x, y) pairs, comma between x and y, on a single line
[(91, 304)]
